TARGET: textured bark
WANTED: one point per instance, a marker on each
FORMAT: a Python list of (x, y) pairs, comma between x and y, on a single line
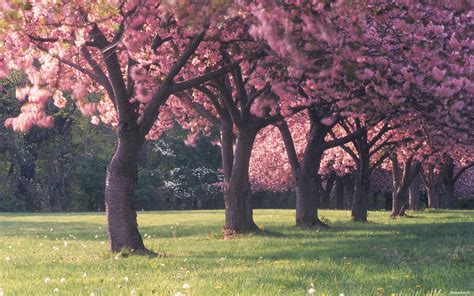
[(360, 201), (414, 194), (307, 196), (339, 192), (237, 195), (119, 191)]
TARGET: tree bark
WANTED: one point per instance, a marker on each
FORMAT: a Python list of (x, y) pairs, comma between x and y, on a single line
[(119, 190), (401, 184), (339, 193), (414, 194), (360, 202), (326, 191), (349, 189), (237, 194), (433, 197), (449, 185), (307, 200)]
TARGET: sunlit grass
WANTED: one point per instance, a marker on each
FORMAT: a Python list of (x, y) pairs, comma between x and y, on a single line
[(66, 254)]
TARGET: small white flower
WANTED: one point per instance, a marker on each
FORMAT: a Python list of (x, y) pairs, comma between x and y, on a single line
[(1, 292), (341, 294), (126, 279), (102, 242), (51, 229), (96, 236), (84, 274), (132, 292), (178, 294), (65, 244), (117, 257), (55, 290), (62, 280), (92, 294), (222, 259), (56, 248), (47, 280), (7, 258), (186, 286), (311, 291)]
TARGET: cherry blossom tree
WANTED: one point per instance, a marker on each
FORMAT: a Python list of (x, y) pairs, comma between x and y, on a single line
[(132, 54)]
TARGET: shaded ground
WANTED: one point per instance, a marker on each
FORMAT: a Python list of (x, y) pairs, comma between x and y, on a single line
[(430, 252)]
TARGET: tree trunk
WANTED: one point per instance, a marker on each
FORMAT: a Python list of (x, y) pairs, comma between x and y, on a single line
[(119, 190), (339, 193), (307, 200), (451, 198), (433, 197), (360, 202), (399, 200), (414, 194), (449, 185), (325, 194), (237, 194), (349, 190)]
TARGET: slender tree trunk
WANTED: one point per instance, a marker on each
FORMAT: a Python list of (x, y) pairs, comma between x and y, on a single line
[(119, 191), (326, 191), (339, 193), (414, 194), (237, 194), (399, 201)]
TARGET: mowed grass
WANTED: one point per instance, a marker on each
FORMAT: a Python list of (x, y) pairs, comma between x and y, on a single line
[(410, 256)]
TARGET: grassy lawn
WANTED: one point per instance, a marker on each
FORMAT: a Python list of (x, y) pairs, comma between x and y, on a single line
[(66, 254)]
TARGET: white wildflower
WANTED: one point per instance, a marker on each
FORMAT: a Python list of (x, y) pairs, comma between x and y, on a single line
[(126, 279), (178, 294), (186, 286), (47, 280), (96, 236), (132, 292), (102, 242), (84, 274), (311, 291), (7, 258), (65, 244), (62, 280), (55, 290)]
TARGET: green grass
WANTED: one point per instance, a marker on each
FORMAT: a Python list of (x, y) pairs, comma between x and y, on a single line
[(410, 256)]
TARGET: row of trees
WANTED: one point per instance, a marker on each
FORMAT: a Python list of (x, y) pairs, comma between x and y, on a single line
[(386, 82)]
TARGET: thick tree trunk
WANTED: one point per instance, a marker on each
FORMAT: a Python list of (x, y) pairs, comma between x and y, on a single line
[(339, 193), (414, 194), (451, 198), (360, 202), (449, 187), (399, 200), (433, 197), (307, 197), (237, 194), (119, 191)]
